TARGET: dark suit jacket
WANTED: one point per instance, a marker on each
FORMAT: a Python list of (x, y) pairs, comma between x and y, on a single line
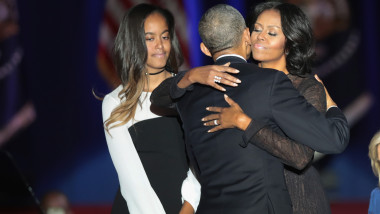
[(239, 178)]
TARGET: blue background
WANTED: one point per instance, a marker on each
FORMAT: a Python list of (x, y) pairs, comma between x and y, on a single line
[(65, 147)]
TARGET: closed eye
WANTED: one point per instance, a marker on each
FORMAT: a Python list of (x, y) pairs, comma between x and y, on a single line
[(256, 30)]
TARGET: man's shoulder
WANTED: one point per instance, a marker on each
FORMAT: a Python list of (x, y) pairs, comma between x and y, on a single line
[(251, 69)]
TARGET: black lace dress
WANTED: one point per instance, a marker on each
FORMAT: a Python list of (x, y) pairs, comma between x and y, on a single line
[(302, 179)]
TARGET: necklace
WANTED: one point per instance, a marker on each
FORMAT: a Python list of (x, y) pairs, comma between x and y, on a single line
[(158, 72)]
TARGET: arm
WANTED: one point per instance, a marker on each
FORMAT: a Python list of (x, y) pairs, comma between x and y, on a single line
[(134, 183), (186, 208), (324, 133), (329, 101), (173, 88), (300, 121), (290, 152), (191, 193), (206, 75)]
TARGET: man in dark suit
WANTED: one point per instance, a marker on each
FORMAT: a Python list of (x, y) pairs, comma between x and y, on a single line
[(246, 179)]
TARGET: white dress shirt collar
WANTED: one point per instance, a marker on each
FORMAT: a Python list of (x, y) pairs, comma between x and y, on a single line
[(236, 55)]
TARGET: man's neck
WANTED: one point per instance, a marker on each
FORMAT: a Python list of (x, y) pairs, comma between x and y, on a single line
[(228, 51), (230, 55)]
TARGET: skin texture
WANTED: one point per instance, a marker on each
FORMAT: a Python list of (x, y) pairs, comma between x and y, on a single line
[(206, 75), (158, 44), (268, 47), (157, 41), (232, 117), (186, 208), (268, 41)]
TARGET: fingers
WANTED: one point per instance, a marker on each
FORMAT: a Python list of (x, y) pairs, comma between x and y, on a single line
[(219, 74), (225, 79), (317, 78), (215, 123), (210, 118), (225, 68), (230, 78), (229, 100), (216, 128), (228, 70), (214, 109), (329, 101), (212, 123), (224, 76), (218, 87)]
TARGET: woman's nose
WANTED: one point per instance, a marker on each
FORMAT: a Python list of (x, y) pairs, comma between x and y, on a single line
[(159, 43), (260, 36)]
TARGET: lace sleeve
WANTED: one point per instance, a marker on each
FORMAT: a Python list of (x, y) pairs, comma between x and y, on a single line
[(314, 93), (290, 152)]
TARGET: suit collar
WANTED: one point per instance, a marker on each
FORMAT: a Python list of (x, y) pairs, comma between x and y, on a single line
[(229, 58)]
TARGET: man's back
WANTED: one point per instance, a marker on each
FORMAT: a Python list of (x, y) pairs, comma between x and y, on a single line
[(234, 179)]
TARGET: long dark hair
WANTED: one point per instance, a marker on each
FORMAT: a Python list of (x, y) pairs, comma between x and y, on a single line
[(130, 57), (130, 52), (299, 44)]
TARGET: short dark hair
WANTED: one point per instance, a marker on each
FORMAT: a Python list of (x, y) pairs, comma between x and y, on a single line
[(130, 51), (221, 28), (299, 44)]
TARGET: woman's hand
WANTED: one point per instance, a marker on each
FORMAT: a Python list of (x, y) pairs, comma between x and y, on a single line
[(186, 208), (329, 101), (229, 117), (210, 75)]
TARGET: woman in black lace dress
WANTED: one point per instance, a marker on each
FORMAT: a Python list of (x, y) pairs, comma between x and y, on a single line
[(282, 39)]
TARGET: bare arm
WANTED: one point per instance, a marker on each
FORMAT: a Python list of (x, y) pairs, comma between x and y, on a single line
[(210, 75), (173, 88)]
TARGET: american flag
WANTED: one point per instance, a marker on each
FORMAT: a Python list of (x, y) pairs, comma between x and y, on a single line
[(16, 109), (114, 11)]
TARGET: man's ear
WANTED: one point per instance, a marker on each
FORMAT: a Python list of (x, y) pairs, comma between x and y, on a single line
[(247, 36), (205, 50)]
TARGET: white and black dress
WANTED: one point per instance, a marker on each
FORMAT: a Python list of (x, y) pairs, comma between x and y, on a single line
[(149, 156)]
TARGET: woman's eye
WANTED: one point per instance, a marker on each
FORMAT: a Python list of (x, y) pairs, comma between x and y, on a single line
[(166, 37), (149, 39), (256, 30), (272, 34)]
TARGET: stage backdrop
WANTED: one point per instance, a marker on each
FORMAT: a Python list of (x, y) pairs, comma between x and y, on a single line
[(66, 56)]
